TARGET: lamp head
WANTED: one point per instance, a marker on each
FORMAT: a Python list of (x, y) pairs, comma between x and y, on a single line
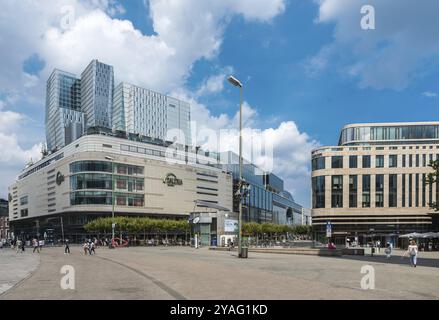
[(234, 81)]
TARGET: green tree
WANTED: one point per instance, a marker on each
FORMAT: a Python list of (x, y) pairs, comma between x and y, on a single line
[(433, 178)]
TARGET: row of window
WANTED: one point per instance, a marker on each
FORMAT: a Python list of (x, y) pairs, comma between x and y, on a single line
[(105, 166), (41, 166), (417, 160), (389, 133), (104, 182), (410, 188), (106, 198)]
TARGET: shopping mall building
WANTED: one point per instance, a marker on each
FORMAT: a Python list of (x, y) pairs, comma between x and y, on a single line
[(75, 184), (373, 185)]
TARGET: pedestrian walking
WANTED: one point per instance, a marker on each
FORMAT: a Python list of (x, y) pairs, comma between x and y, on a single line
[(388, 250), (378, 245), (23, 243), (18, 245), (66, 247), (41, 244), (85, 247), (92, 248), (412, 252), (35, 245)]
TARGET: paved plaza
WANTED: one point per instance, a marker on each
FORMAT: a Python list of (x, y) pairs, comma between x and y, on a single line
[(187, 273)]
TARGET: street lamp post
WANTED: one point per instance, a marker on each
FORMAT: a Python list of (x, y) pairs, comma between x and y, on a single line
[(112, 198), (238, 84)]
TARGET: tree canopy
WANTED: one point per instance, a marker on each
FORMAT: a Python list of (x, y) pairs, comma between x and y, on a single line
[(137, 225)]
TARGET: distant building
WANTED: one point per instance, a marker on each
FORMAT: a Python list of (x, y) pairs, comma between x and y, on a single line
[(373, 185), (306, 217), (97, 85), (151, 114), (76, 105), (267, 200), (64, 119), (4, 219)]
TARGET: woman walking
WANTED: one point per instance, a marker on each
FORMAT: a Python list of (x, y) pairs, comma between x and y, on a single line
[(85, 247), (413, 253)]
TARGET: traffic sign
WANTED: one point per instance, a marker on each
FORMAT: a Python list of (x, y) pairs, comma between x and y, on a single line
[(328, 229)]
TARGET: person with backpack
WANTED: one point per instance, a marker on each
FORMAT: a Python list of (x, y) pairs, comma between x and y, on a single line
[(412, 251)]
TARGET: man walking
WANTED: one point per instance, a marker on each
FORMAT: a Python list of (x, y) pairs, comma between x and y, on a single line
[(66, 247), (91, 247)]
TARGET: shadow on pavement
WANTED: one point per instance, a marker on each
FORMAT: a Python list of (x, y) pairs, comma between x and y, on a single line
[(422, 261)]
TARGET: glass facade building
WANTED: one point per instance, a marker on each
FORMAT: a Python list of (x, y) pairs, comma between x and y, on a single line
[(97, 85), (267, 200), (148, 113), (91, 183), (64, 119)]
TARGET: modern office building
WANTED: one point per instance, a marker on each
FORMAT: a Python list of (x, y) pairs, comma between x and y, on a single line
[(97, 85), (75, 105), (267, 200), (75, 183), (151, 114), (64, 119), (4, 220), (373, 184)]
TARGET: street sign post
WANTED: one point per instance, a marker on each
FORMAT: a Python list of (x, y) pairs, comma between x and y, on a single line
[(328, 229)]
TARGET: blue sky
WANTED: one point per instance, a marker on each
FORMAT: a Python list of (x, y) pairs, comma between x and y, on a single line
[(307, 66)]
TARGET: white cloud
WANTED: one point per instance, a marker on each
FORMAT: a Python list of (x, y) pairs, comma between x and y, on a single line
[(429, 94), (13, 157), (14, 154), (215, 83), (185, 31), (291, 148), (9, 120), (391, 56)]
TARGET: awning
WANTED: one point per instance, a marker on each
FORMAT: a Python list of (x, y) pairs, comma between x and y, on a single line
[(210, 205), (411, 235), (421, 235)]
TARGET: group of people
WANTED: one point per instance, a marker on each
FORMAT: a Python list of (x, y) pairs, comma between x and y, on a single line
[(37, 245), (20, 245), (412, 252), (89, 247)]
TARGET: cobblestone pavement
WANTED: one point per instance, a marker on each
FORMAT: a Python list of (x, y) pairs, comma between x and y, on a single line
[(187, 273)]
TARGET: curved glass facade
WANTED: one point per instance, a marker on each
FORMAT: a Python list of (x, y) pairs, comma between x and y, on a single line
[(403, 133), (89, 188)]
